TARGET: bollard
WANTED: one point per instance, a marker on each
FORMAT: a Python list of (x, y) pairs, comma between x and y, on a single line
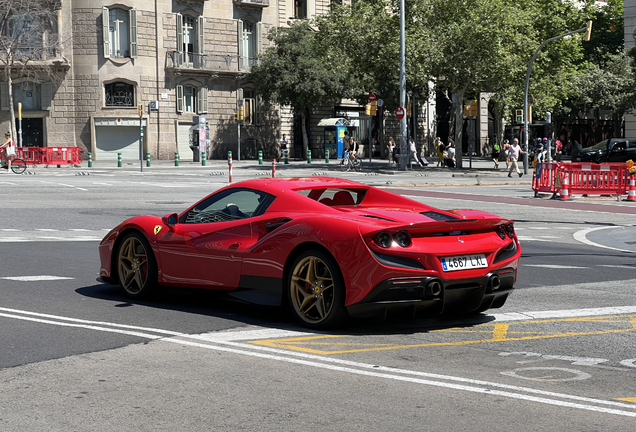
[(273, 168), (564, 192), (119, 160), (90, 160), (327, 156), (148, 159), (202, 158), (308, 156), (260, 157), (631, 191), (286, 153), (230, 164), (176, 158)]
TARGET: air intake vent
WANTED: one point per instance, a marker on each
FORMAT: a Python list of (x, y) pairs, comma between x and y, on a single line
[(378, 217), (440, 217)]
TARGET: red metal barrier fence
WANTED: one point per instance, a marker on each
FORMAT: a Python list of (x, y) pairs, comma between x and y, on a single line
[(50, 155), (583, 178)]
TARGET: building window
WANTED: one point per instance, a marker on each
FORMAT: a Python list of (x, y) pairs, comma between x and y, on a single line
[(120, 94), (250, 43), (28, 94), (300, 9), (190, 41), (191, 99), (120, 33)]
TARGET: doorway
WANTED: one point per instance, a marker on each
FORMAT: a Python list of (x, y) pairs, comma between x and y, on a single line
[(32, 132)]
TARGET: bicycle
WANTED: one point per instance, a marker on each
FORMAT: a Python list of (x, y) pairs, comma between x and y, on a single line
[(18, 165), (348, 162)]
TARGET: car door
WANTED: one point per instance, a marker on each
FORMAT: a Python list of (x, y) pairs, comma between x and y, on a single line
[(205, 249), (631, 151), (617, 152)]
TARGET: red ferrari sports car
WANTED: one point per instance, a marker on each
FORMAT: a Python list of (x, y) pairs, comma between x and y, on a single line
[(326, 247)]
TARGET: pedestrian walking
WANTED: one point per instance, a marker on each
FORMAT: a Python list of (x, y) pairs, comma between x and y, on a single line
[(576, 149), (558, 150), (413, 152), (283, 145), (515, 152), (391, 146), (439, 146), (506, 150), (7, 150), (495, 151), (450, 153)]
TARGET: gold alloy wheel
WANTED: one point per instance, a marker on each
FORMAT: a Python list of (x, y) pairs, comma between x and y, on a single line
[(133, 265), (312, 290)]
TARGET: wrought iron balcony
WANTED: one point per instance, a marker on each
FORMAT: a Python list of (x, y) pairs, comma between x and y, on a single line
[(183, 62), (255, 3)]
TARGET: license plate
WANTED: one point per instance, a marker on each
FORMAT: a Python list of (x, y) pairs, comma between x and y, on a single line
[(464, 262)]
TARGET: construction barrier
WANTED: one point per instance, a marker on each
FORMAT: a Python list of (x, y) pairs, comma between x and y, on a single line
[(581, 178), (50, 155)]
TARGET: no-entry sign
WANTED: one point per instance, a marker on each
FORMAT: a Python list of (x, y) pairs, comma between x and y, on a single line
[(399, 113), (372, 97)]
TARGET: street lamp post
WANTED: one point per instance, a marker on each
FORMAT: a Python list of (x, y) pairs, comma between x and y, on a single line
[(587, 29), (403, 149)]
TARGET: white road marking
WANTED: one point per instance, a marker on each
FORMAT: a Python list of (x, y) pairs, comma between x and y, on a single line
[(581, 236), (46, 229), (572, 313), (10, 229), (629, 363), (616, 266), (64, 184), (525, 238), (13, 240), (536, 357), (35, 278), (339, 365), (9, 183), (79, 229), (553, 266), (578, 375)]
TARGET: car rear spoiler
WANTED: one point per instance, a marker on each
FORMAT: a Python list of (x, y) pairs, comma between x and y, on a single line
[(445, 226)]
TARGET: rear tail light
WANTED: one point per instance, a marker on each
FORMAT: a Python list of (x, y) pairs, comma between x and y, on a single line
[(510, 230), (403, 239), (384, 240), (501, 230)]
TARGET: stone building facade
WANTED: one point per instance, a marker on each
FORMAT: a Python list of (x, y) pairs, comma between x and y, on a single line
[(630, 26), (179, 59)]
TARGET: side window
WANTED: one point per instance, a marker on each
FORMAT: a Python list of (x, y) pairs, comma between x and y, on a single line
[(119, 94), (229, 205)]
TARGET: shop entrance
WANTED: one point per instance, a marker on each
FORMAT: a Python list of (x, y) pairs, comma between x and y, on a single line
[(32, 132)]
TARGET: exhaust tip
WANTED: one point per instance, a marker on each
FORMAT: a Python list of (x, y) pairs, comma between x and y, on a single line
[(433, 288), (494, 282)]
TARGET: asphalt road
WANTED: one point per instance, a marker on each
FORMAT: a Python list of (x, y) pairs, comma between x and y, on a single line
[(78, 355)]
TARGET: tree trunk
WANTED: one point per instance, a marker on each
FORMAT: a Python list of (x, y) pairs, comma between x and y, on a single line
[(459, 126), (303, 126)]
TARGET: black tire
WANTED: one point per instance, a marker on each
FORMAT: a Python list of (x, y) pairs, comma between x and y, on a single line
[(316, 291), (136, 266), (18, 165)]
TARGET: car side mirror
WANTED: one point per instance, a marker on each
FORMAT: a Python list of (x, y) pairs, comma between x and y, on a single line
[(170, 219)]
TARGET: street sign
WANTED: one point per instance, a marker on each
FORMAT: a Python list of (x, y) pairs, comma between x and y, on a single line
[(380, 102), (399, 113), (372, 97)]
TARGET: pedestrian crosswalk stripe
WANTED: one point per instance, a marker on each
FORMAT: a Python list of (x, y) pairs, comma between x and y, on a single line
[(35, 278)]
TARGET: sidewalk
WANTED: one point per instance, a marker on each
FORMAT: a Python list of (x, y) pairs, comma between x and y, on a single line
[(482, 171)]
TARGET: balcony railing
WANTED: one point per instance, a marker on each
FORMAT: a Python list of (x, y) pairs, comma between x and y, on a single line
[(213, 63), (256, 3)]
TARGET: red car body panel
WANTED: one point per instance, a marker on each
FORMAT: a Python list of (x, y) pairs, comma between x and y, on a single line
[(255, 252)]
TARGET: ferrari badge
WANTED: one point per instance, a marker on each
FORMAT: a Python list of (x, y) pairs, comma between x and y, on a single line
[(157, 229)]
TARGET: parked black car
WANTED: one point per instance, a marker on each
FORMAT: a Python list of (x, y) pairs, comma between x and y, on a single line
[(616, 150)]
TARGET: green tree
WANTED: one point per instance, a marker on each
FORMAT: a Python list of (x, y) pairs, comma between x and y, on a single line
[(299, 71)]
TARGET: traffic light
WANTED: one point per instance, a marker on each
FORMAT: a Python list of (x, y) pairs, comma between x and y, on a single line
[(374, 107), (408, 108), (529, 113), (466, 110), (473, 108), (367, 109), (241, 114), (235, 116), (519, 116), (141, 110), (588, 31)]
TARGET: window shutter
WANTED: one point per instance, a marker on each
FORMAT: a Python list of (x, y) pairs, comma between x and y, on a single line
[(200, 35), (46, 95), (179, 98), (258, 110), (259, 39), (105, 31), (4, 96), (132, 18), (241, 59), (202, 100), (179, 33)]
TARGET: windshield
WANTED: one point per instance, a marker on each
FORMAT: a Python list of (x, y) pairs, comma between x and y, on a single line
[(600, 146), (335, 196)]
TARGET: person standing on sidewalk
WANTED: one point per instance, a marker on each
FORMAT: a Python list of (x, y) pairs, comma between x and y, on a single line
[(439, 145), (515, 152), (283, 146), (495, 151)]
